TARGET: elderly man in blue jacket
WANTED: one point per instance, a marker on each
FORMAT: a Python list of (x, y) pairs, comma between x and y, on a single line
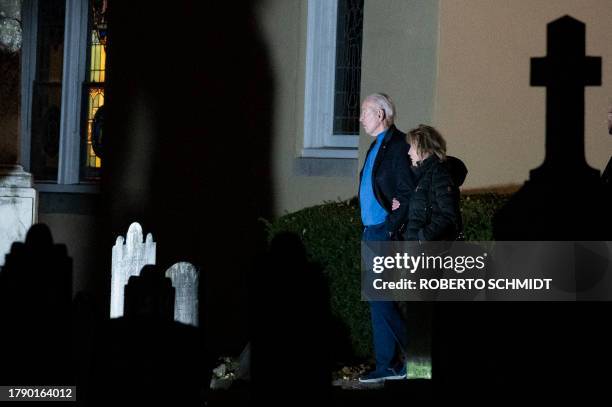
[(384, 176)]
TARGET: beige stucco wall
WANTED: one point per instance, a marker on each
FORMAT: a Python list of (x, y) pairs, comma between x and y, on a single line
[(283, 27), (399, 58), (485, 107), (461, 65)]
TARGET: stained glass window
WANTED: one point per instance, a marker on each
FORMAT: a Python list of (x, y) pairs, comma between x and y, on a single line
[(348, 67), (94, 91)]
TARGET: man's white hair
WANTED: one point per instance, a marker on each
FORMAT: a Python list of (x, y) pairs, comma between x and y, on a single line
[(385, 103)]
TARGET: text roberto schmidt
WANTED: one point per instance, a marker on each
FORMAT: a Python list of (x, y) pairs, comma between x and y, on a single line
[(464, 284), (408, 265)]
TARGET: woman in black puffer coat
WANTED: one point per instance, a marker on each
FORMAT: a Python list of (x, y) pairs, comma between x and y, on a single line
[(433, 212)]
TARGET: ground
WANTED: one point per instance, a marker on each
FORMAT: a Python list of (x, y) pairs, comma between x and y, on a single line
[(347, 377)]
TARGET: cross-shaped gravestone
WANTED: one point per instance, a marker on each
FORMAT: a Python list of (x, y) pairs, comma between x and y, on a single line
[(565, 71), (564, 185)]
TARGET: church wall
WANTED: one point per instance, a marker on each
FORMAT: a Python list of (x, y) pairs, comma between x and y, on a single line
[(75, 221), (485, 107), (75, 231), (297, 182), (399, 58), (462, 66)]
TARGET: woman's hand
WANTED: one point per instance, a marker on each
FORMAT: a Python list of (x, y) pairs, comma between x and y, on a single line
[(395, 204)]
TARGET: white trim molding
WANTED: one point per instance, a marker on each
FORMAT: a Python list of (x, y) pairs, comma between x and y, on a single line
[(319, 84), (28, 75), (75, 59)]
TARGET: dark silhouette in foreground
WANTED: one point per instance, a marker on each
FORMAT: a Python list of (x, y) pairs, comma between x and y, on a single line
[(35, 312), (290, 326), (147, 357)]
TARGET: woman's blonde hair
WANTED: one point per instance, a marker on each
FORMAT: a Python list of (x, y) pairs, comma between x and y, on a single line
[(426, 139)]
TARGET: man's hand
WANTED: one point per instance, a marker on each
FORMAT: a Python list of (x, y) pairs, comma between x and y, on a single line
[(395, 204)]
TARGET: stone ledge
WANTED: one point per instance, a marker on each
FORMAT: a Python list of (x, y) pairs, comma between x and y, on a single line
[(13, 176)]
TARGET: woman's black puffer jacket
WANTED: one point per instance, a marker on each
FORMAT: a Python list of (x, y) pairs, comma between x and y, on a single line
[(434, 212)]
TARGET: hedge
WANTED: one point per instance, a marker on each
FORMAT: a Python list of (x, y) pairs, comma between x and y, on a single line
[(331, 233)]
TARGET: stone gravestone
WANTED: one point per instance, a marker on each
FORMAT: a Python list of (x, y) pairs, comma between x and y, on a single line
[(127, 260), (564, 197), (18, 206), (185, 280), (149, 295), (35, 311)]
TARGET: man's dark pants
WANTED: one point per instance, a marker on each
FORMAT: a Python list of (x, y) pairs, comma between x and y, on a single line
[(388, 327)]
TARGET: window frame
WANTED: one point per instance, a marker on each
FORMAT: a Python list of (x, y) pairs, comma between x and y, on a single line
[(319, 138), (73, 75)]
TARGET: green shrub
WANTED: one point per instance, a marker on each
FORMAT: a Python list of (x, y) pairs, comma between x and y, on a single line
[(477, 212), (332, 235)]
